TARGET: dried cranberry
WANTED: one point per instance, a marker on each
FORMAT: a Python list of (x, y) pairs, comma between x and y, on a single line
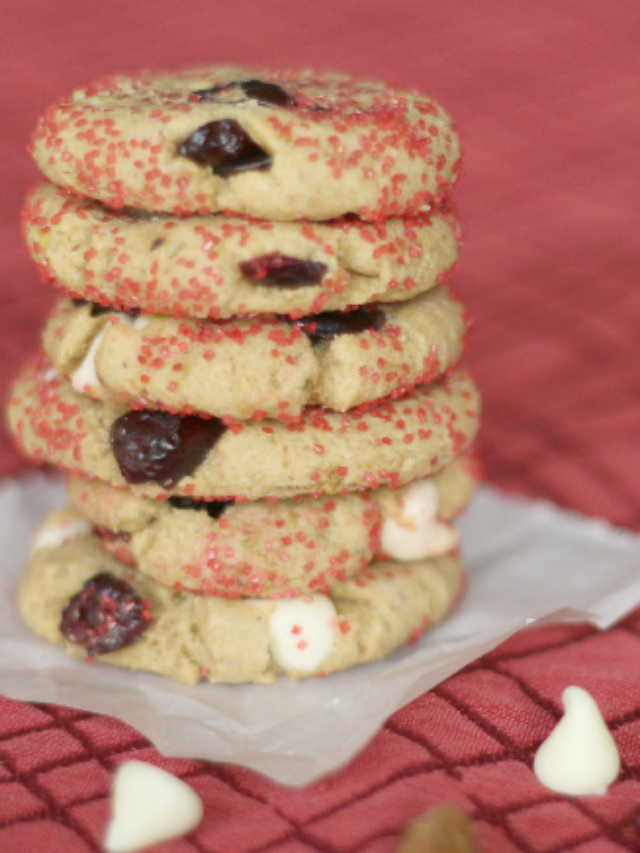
[(214, 509), (324, 327), (266, 94), (106, 615), (161, 447), (283, 271), (226, 147)]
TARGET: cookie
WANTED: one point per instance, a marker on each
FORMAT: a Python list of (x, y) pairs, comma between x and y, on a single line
[(77, 596), (389, 443), (218, 266), (278, 146), (276, 550), (255, 368)]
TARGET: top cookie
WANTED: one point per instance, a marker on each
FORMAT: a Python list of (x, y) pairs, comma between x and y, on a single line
[(275, 145)]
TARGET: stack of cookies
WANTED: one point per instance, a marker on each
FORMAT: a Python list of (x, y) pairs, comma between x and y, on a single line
[(249, 376)]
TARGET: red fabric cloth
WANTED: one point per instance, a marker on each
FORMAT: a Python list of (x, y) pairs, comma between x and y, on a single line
[(547, 96)]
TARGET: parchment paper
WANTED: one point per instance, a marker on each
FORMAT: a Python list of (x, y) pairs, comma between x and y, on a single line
[(527, 561)]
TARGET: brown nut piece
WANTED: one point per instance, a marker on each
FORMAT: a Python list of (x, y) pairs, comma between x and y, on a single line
[(442, 829)]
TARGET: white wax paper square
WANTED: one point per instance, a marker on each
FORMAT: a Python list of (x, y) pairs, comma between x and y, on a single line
[(527, 561)]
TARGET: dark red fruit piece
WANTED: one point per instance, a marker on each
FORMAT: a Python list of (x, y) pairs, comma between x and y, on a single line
[(214, 509), (283, 271), (266, 94), (160, 447), (324, 327), (106, 615), (226, 147)]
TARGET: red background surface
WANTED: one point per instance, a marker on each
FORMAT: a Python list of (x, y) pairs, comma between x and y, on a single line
[(548, 97)]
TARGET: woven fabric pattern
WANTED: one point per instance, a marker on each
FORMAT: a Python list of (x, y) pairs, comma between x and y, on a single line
[(546, 93)]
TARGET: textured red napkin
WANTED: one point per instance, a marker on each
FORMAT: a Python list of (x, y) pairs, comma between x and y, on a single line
[(547, 95)]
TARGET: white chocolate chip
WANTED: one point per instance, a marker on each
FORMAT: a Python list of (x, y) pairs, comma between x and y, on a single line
[(580, 756), (302, 632), (414, 531), (149, 806), (55, 535), (140, 322), (50, 374), (85, 376)]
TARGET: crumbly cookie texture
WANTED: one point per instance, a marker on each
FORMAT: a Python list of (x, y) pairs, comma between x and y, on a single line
[(254, 368), (202, 140), (218, 266), (389, 443), (191, 637), (257, 549)]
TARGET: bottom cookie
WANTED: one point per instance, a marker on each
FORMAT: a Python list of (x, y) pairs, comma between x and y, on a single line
[(79, 597)]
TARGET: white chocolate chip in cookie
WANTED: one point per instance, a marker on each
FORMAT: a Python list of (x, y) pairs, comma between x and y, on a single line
[(412, 530), (86, 376), (302, 632), (139, 323), (59, 531), (50, 374)]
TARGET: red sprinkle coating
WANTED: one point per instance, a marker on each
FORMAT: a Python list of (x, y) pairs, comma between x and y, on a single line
[(54, 424), (400, 146), (192, 267)]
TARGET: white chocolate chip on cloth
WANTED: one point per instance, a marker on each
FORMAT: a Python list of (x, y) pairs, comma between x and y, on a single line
[(279, 146), (149, 806), (94, 606), (215, 267), (580, 757), (388, 443), (264, 549), (256, 368)]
